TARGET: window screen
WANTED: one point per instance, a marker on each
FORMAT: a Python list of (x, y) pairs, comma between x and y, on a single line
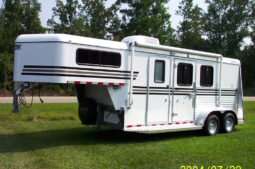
[(206, 75), (159, 71), (184, 74), (100, 58)]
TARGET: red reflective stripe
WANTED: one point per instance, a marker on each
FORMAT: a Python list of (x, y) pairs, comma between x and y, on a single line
[(129, 126), (111, 84), (162, 124), (89, 83), (121, 84), (77, 82), (100, 83)]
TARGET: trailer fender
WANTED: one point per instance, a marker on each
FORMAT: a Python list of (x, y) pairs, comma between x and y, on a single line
[(203, 116)]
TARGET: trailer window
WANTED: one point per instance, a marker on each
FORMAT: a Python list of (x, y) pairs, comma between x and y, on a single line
[(206, 76), (184, 74), (98, 58), (159, 71)]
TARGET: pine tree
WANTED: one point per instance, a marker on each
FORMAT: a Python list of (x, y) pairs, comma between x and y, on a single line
[(226, 25), (67, 18), (17, 17), (190, 30), (147, 18)]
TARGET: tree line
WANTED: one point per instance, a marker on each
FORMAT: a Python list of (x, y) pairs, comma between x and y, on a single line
[(221, 28)]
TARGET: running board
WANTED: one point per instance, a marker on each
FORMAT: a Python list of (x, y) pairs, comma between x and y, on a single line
[(163, 129)]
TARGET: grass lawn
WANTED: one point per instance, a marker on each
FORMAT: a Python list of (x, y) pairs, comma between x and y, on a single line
[(51, 136)]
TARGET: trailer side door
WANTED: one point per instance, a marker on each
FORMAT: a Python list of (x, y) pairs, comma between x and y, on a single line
[(158, 90), (184, 90)]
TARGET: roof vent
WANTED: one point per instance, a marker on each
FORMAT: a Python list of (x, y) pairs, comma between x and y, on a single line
[(141, 39)]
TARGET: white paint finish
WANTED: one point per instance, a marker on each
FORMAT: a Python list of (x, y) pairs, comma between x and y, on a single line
[(118, 96), (158, 109), (39, 54), (141, 39), (230, 76), (72, 39), (178, 50), (183, 105), (159, 106), (136, 115), (163, 128), (183, 108)]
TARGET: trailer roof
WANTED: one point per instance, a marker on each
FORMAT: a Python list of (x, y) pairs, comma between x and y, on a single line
[(36, 38), (140, 41)]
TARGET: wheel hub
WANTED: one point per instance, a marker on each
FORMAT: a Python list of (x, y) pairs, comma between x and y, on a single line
[(229, 123), (213, 125)]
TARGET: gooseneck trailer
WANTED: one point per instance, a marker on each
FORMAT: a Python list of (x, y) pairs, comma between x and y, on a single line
[(136, 85)]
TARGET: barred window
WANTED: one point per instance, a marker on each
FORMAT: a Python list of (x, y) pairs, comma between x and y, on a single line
[(206, 76), (184, 74), (98, 58)]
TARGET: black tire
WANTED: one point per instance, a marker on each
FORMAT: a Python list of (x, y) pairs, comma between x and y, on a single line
[(212, 125), (88, 111), (228, 123)]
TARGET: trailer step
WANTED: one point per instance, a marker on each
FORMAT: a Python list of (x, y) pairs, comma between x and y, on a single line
[(150, 129)]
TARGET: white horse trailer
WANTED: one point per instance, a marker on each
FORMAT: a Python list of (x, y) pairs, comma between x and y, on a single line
[(135, 85)]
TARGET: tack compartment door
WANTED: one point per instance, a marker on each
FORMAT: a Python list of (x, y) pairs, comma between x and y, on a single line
[(184, 90), (158, 90)]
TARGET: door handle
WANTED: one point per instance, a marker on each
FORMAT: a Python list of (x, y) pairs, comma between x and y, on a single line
[(175, 114)]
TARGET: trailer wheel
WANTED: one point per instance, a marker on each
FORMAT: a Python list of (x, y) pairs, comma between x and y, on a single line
[(212, 125), (228, 123), (87, 111)]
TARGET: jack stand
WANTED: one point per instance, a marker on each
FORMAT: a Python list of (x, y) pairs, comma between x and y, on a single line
[(99, 117), (15, 105)]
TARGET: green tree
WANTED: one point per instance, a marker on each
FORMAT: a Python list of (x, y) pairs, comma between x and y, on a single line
[(226, 25), (17, 17), (190, 30), (97, 18), (67, 18), (147, 18), (114, 30), (31, 22), (248, 69), (252, 22), (248, 56), (89, 18)]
